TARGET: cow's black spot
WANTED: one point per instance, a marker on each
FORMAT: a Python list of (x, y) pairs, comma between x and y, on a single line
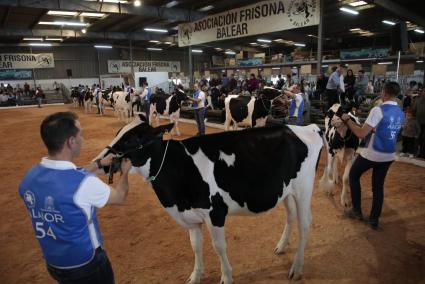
[(261, 109), (219, 210), (239, 108)]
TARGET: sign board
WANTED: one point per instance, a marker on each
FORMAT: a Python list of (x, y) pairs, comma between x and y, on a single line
[(259, 18), (364, 53), (26, 60), (124, 66), (250, 62), (15, 74)]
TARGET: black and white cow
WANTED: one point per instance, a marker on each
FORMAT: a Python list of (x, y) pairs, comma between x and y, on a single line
[(341, 144), (169, 105), (249, 111), (106, 100), (205, 179), (89, 100)]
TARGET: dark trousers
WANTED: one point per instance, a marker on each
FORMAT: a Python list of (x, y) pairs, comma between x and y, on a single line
[(332, 96), (200, 117), (380, 169), (409, 145), (138, 105), (97, 271), (146, 109), (422, 142)]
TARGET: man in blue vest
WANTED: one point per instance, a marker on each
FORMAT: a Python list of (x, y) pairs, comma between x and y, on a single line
[(62, 201), (296, 107), (198, 103), (380, 132), (146, 97)]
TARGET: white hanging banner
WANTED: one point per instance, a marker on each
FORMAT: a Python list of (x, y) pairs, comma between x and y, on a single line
[(262, 17), (123, 66), (26, 60)]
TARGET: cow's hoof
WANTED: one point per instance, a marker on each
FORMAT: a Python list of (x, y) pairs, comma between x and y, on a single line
[(193, 279), (226, 279), (294, 275), (279, 249)]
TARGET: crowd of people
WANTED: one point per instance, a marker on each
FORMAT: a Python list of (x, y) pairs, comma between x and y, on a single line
[(14, 96)]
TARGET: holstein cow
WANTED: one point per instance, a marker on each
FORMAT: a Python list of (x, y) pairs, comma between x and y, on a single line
[(163, 104), (341, 144), (249, 111), (123, 104), (204, 179), (106, 100), (88, 101)]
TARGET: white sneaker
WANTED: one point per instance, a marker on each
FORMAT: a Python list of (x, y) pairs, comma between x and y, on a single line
[(402, 154)]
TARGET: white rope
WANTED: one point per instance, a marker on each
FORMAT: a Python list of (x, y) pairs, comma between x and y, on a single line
[(150, 179)]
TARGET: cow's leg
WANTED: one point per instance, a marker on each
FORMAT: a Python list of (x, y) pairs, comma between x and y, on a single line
[(227, 122), (326, 182), (196, 242), (291, 214), (345, 194), (304, 220), (176, 125), (219, 242)]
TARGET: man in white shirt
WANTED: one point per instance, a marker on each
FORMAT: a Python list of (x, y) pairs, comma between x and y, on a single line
[(199, 106), (380, 131), (62, 201), (296, 107)]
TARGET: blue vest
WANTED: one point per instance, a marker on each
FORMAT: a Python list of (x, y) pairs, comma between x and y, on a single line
[(195, 96), (388, 128), (61, 227), (149, 95), (292, 108)]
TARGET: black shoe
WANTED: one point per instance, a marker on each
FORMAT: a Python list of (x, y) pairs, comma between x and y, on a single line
[(372, 223), (353, 214)]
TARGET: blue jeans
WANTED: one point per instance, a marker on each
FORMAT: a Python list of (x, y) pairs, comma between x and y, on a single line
[(97, 271), (199, 117)]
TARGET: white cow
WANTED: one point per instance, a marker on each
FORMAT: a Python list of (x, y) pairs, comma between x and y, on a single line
[(123, 102)]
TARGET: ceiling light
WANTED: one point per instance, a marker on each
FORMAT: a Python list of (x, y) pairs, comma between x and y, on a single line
[(349, 11), (115, 1), (218, 48), (137, 3), (103, 46), (155, 30), (154, 41), (419, 61), (168, 42), (93, 15), (355, 29), (276, 68), (325, 65), (39, 44), (62, 13), (264, 40), (206, 8), (388, 22), (171, 4), (83, 31), (197, 50), (60, 23), (419, 31), (385, 63), (33, 38), (154, 48), (357, 3), (230, 52), (253, 43), (264, 45), (54, 39), (299, 44), (278, 39)]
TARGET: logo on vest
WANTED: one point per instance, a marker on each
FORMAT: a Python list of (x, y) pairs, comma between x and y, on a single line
[(29, 199), (49, 204)]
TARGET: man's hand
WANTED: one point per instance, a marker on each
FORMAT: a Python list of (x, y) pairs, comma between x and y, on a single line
[(125, 166), (345, 117), (107, 160)]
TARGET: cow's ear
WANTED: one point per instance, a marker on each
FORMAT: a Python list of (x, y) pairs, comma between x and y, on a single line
[(163, 128), (142, 117)]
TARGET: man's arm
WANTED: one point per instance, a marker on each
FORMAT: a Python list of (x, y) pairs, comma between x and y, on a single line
[(359, 131), (97, 165), (119, 193)]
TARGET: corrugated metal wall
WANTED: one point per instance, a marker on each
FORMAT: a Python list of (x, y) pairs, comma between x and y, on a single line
[(83, 61)]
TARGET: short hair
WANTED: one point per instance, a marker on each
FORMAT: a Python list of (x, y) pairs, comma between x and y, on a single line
[(361, 71), (392, 89), (56, 129), (334, 68)]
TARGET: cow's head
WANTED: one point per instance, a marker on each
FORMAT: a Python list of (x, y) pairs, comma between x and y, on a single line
[(269, 93), (336, 129), (133, 141), (181, 95)]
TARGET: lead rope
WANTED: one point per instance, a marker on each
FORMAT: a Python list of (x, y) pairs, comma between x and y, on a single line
[(151, 179)]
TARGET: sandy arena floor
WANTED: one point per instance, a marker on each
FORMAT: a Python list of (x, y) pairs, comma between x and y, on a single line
[(146, 246)]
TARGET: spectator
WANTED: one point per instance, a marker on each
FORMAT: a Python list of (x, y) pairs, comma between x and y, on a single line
[(199, 108), (39, 96), (146, 98), (360, 87), (333, 86), (225, 81), (349, 82), (280, 82), (419, 112), (410, 132), (252, 83), (232, 83), (26, 89), (56, 86), (321, 83)]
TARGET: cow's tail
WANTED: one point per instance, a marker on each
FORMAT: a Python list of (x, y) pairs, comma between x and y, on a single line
[(325, 183)]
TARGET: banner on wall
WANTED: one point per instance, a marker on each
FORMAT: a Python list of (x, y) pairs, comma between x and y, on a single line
[(124, 66), (15, 74), (262, 17), (250, 62), (364, 53), (26, 60)]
